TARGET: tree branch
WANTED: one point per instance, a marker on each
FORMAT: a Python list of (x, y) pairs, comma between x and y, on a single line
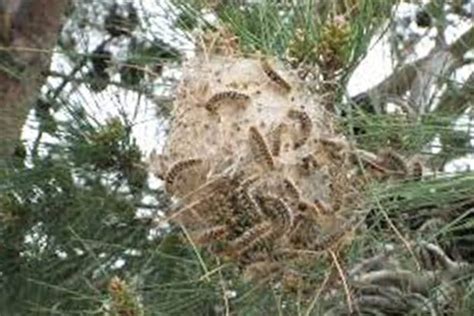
[(35, 34), (404, 79), (456, 101)]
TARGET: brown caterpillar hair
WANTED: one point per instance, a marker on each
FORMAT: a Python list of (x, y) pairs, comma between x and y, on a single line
[(210, 235), (216, 99), (334, 143), (246, 182), (176, 169), (261, 270), (251, 238), (248, 205), (260, 149), (309, 209), (206, 191), (393, 161), (190, 215), (321, 207), (276, 139), (284, 214), (308, 163), (274, 76), (305, 123), (277, 210), (329, 240), (244, 201), (416, 170), (291, 189)]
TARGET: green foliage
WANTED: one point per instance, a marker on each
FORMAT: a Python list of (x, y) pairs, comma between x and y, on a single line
[(107, 148), (43, 111), (146, 57), (395, 131), (270, 27)]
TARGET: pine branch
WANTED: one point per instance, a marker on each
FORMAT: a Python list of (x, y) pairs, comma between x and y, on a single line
[(458, 100), (405, 78)]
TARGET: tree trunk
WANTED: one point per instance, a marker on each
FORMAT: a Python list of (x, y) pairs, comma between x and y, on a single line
[(35, 30)]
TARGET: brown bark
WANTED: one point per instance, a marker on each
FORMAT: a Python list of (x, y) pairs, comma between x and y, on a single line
[(35, 32)]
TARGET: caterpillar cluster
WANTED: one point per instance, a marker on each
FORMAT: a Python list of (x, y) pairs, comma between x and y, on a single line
[(254, 227), (259, 204), (389, 163)]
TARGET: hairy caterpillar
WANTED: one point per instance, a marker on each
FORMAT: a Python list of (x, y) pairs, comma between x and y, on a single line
[(190, 215), (260, 149), (393, 161), (251, 238), (210, 235), (295, 254), (261, 270), (321, 207), (276, 209), (208, 189), (274, 76), (335, 143), (221, 205), (291, 189), (283, 213), (177, 169), (248, 204), (308, 163), (328, 240), (245, 204), (200, 201), (305, 123), (308, 208), (216, 99), (247, 182), (276, 139), (416, 170)]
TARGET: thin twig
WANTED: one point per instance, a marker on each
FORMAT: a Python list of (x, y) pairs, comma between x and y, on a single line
[(224, 289), (198, 255), (344, 281), (385, 215), (400, 236), (213, 271), (318, 293)]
